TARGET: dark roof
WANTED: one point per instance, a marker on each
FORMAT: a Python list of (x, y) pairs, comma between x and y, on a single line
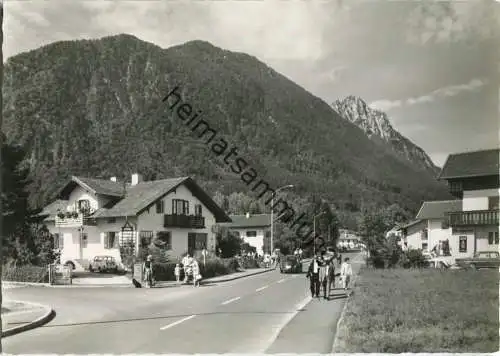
[(471, 164), (141, 196), (438, 209), (411, 223), (96, 186), (254, 221), (51, 210)]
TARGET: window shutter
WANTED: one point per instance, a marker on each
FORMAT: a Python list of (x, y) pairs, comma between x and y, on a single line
[(106, 240)]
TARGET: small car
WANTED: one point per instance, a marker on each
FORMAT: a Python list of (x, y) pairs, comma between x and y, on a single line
[(482, 259), (290, 264), (103, 264)]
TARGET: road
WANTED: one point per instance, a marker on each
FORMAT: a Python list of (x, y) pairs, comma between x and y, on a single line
[(270, 312)]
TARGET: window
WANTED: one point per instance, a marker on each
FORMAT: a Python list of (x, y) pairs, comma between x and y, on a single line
[(164, 240), (180, 207), (456, 187), (58, 241), (268, 234), (462, 244), (493, 203), (84, 206), (424, 246), (491, 238), (145, 238), (111, 220), (198, 210), (85, 240), (197, 241), (496, 237), (251, 233), (160, 207), (110, 240), (424, 234)]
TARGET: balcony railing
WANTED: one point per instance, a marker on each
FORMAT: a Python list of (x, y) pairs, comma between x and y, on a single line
[(474, 217), (184, 221), (71, 221)]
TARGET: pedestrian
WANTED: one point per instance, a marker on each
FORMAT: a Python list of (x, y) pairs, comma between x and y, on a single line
[(186, 263), (177, 272), (148, 271), (323, 274), (196, 273), (346, 273), (300, 254), (331, 274), (313, 275)]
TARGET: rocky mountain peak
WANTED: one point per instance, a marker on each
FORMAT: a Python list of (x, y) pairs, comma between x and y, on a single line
[(377, 126)]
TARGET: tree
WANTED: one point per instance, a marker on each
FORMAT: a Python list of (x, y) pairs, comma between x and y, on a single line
[(227, 241), (1, 164)]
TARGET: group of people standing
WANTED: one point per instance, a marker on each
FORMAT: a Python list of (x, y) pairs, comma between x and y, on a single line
[(191, 269), (322, 273)]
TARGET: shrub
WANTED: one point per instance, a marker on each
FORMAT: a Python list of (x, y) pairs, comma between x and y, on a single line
[(413, 259), (25, 273), (248, 263)]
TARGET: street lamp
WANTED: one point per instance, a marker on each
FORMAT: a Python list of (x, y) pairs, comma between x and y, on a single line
[(272, 214), (314, 231)]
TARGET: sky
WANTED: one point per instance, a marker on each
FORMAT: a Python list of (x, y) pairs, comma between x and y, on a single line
[(432, 66)]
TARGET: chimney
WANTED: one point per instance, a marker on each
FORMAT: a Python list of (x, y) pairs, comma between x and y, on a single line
[(136, 178), (113, 179), (248, 215)]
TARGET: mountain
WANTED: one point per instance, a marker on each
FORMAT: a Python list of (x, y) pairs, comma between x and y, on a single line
[(376, 125), (94, 108)]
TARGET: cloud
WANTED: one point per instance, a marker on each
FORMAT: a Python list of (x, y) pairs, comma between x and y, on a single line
[(448, 91)]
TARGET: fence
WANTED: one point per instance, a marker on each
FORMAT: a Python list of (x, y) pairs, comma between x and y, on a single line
[(59, 274)]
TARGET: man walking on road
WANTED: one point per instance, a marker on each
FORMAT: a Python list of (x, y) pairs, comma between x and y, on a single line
[(313, 275), (346, 273)]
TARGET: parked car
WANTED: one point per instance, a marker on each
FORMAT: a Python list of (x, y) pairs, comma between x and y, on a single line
[(482, 259), (103, 264), (290, 264)]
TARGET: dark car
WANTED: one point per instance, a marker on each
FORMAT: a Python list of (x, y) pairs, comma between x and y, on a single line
[(290, 264), (483, 259)]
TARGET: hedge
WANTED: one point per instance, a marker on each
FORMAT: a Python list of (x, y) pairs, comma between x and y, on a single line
[(25, 273)]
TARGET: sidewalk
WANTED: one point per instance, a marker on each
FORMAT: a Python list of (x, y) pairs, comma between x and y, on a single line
[(20, 316)]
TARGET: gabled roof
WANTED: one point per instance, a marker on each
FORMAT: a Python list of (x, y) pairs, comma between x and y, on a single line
[(141, 196), (471, 164), (438, 209), (96, 186), (254, 221)]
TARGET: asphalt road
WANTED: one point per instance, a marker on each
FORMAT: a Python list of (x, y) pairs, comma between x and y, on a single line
[(270, 312)]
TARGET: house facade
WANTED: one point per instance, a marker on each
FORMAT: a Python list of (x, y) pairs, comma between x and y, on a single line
[(473, 177), (94, 217), (253, 229), (431, 232), (347, 239)]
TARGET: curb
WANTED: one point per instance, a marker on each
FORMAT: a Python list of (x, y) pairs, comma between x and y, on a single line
[(44, 319), (238, 277)]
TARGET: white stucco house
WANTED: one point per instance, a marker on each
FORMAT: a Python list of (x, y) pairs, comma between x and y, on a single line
[(98, 217), (253, 229), (430, 228)]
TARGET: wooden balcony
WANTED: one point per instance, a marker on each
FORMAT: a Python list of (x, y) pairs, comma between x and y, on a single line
[(184, 221), (80, 220), (474, 218)]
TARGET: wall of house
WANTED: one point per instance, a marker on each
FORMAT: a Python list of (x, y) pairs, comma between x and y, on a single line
[(413, 236), (149, 220), (257, 241), (477, 199), (482, 243), (436, 233), (74, 249)]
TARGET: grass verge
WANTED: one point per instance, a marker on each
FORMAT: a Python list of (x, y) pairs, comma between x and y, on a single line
[(396, 311)]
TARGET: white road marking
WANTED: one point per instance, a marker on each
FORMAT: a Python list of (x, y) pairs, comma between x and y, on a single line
[(177, 322), (281, 280), (284, 322), (261, 288), (230, 301)]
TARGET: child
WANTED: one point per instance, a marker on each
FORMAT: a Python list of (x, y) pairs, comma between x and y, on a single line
[(177, 272), (346, 273)]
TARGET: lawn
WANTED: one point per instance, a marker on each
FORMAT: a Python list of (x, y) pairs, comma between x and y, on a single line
[(396, 311)]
